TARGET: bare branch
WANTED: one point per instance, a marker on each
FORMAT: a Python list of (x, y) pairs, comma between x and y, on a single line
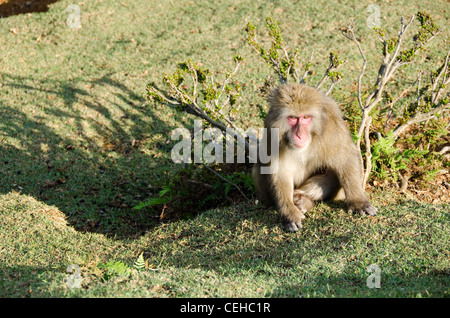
[(445, 81), (387, 68), (432, 94), (333, 83), (401, 95), (394, 63), (167, 101), (331, 87), (334, 64), (307, 66), (351, 36), (420, 117), (225, 82)]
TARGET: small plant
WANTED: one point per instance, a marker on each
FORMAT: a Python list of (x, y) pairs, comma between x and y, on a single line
[(139, 263), (388, 161), (116, 270), (194, 89), (191, 190), (395, 57), (277, 56), (164, 196), (241, 179), (284, 64)]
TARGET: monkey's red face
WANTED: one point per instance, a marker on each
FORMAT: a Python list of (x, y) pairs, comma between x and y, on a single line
[(300, 136)]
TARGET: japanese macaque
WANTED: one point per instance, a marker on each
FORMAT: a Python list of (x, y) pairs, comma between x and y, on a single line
[(317, 158)]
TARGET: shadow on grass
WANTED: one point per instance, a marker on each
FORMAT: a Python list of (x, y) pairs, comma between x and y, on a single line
[(31, 281), (399, 285), (87, 155), (15, 7), (328, 258)]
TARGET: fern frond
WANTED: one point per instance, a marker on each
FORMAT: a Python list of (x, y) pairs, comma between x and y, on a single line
[(139, 264)]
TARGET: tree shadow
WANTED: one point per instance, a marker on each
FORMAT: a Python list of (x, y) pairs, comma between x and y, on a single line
[(88, 155)]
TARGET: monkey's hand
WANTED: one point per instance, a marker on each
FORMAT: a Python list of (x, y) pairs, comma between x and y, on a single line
[(363, 208)]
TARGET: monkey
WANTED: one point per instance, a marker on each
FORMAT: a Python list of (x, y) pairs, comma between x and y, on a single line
[(316, 160)]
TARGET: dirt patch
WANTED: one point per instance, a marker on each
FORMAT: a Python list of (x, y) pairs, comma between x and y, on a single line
[(14, 7)]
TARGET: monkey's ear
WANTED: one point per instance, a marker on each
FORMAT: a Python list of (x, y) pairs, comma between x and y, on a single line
[(274, 95)]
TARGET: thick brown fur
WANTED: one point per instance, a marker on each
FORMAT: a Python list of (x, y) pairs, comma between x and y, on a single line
[(329, 163)]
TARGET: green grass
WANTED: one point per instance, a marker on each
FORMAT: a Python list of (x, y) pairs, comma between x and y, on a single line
[(239, 251), (80, 146)]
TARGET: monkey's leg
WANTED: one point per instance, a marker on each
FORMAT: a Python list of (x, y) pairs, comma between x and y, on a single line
[(319, 187), (262, 184)]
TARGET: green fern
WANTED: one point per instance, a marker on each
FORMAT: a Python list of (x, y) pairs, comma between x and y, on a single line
[(387, 160), (115, 270), (164, 196), (139, 264)]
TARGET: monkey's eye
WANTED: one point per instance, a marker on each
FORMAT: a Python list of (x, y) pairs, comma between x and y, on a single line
[(292, 120), (306, 119)]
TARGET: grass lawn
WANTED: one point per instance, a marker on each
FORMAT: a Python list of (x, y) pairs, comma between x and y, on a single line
[(80, 146)]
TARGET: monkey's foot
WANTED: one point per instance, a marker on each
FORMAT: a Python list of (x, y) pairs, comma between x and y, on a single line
[(293, 226), (302, 202), (368, 209)]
